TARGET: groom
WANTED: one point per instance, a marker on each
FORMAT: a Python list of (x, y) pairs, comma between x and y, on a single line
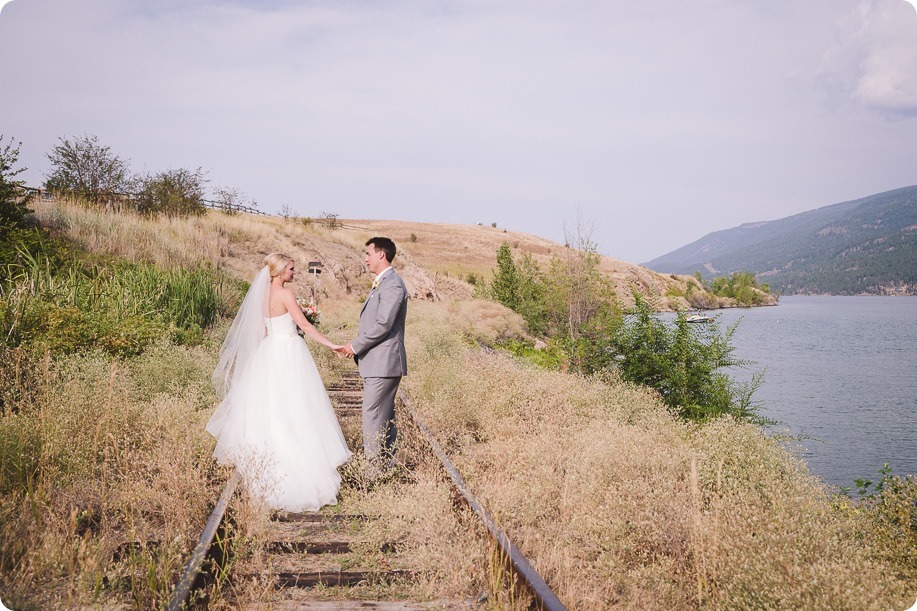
[(379, 352)]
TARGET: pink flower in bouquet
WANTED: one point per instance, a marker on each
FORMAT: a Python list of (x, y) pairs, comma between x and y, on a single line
[(309, 310)]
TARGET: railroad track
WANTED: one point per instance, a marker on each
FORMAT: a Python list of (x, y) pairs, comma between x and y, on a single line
[(305, 553)]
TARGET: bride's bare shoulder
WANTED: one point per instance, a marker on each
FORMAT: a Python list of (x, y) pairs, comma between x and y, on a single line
[(284, 294)]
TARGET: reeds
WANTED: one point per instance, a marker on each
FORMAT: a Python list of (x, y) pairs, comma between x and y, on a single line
[(119, 307)]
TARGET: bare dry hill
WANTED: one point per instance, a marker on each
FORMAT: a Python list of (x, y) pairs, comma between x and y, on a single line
[(435, 259), (440, 257)]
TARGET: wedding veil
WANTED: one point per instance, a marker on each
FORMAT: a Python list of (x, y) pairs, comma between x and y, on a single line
[(247, 331)]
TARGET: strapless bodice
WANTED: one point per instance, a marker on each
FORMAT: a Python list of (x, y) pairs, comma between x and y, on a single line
[(280, 325)]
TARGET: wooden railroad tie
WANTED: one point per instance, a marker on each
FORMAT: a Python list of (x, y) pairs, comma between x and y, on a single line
[(312, 549)]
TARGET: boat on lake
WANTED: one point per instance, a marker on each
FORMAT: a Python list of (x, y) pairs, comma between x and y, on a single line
[(697, 317)]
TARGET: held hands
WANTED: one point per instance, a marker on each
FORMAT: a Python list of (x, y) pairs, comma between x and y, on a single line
[(343, 351)]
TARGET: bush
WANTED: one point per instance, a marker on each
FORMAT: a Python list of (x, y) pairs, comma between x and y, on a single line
[(13, 211), (171, 193), (552, 356), (520, 287), (742, 287), (685, 363)]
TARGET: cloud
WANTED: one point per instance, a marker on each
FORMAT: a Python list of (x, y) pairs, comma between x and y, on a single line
[(873, 61), (663, 119)]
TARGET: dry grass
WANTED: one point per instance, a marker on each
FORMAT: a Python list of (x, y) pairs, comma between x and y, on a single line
[(120, 482), (454, 251), (623, 506), (112, 485), (414, 510), (436, 266), (237, 244), (107, 473)]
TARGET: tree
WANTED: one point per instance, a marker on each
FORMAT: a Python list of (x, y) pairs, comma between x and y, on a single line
[(172, 193), (520, 287), (86, 169), (581, 301), (13, 209), (231, 199), (505, 285), (741, 286)]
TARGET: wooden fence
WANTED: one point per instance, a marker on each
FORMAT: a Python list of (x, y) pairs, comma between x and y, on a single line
[(118, 202)]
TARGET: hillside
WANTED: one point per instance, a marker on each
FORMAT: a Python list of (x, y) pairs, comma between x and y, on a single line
[(441, 258), (438, 261), (864, 246)]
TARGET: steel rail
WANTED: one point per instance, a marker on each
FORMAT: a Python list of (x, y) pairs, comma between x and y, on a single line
[(536, 582), (192, 569), (542, 591)]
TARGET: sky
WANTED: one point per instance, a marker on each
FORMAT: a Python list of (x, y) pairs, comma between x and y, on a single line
[(653, 122)]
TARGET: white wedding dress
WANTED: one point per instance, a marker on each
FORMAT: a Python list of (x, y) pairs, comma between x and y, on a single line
[(277, 426)]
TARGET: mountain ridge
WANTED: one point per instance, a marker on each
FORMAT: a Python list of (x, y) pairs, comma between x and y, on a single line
[(861, 246)]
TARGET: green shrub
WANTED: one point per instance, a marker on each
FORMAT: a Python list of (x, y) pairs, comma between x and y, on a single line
[(684, 362), (552, 356), (520, 287), (742, 287), (577, 308), (13, 211), (52, 299), (172, 193), (88, 170)]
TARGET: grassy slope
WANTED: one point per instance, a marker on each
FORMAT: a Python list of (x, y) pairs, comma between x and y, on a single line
[(105, 466), (619, 504), (454, 251), (623, 506)]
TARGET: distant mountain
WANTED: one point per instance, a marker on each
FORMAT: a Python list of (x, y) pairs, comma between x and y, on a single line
[(868, 245)]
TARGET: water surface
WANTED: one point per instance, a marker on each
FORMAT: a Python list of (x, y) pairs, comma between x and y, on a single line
[(842, 370)]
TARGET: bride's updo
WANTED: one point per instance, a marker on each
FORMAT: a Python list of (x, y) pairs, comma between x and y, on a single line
[(276, 262)]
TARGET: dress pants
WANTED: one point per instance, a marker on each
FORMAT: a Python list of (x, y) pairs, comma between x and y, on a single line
[(379, 430)]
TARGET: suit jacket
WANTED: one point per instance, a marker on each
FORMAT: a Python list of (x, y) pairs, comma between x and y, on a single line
[(379, 346)]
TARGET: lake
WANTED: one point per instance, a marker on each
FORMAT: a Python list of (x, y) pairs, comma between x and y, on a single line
[(841, 371)]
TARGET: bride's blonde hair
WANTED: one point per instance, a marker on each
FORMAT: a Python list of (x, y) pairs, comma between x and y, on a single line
[(276, 262)]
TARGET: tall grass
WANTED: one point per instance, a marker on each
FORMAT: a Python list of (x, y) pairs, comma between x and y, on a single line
[(119, 307), (232, 244), (105, 469), (104, 480), (621, 505)]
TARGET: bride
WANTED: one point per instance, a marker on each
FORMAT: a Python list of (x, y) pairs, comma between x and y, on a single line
[(276, 423)]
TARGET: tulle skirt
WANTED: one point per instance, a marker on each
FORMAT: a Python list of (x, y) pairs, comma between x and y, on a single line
[(277, 426)]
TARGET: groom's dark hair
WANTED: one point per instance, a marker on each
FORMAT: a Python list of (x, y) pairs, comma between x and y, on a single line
[(385, 245)]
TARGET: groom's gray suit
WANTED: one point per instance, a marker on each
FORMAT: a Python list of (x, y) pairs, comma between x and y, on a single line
[(380, 356)]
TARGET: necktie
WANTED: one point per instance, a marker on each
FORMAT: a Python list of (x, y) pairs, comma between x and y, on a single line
[(375, 284)]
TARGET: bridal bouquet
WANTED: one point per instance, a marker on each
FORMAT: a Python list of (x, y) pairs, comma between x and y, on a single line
[(309, 310)]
